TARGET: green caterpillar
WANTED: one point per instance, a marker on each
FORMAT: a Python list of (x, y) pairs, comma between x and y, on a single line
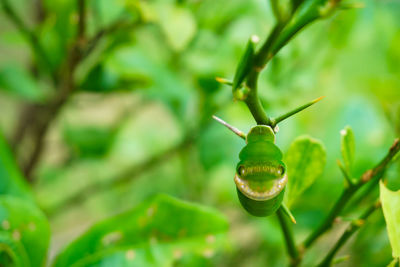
[(260, 174)]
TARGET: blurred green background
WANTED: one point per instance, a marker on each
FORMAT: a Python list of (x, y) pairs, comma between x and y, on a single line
[(139, 122)]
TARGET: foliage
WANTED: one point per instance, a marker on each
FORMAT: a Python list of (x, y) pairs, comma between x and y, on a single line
[(106, 104), (306, 160), (142, 236), (390, 207)]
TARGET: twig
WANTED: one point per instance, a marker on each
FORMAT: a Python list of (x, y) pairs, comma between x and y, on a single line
[(40, 12), (350, 230), (67, 86), (81, 20), (289, 238), (94, 41), (372, 176)]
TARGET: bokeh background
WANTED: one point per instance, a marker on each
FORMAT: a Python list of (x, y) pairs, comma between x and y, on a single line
[(139, 122)]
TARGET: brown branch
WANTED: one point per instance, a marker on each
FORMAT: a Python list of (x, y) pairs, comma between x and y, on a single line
[(81, 20), (40, 12), (66, 87), (95, 40), (42, 117)]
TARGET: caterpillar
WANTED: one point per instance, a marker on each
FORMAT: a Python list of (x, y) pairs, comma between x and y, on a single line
[(260, 176)]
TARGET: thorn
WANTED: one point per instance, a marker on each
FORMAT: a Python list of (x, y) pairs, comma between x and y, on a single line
[(230, 127), (288, 213), (352, 6), (296, 110), (318, 99), (224, 81)]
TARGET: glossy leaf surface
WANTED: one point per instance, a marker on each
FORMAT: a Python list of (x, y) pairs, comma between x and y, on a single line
[(156, 233), (391, 210), (11, 179), (305, 162), (24, 232)]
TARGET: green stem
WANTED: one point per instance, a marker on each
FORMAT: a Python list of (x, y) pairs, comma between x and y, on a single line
[(372, 176), (330, 218), (289, 238), (254, 104), (351, 229), (261, 58)]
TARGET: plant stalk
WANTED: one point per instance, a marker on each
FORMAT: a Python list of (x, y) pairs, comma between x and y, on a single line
[(289, 238)]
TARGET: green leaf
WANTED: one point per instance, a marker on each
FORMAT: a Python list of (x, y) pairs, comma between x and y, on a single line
[(391, 210), (11, 179), (89, 141), (18, 81), (394, 263), (305, 162), (178, 25), (12, 252), (347, 147), (24, 232), (100, 80), (307, 13), (106, 12), (155, 233)]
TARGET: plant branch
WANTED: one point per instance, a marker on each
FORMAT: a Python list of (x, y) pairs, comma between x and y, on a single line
[(350, 230), (289, 238), (40, 12), (81, 20), (372, 176), (67, 85)]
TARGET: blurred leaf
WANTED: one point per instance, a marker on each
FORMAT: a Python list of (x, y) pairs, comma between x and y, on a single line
[(131, 62), (19, 82), (12, 252), (28, 229), (394, 263), (107, 11), (178, 25), (305, 162), (391, 210), (103, 80), (347, 147), (88, 141), (100, 80), (53, 36), (217, 15), (155, 233), (11, 179), (58, 29)]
